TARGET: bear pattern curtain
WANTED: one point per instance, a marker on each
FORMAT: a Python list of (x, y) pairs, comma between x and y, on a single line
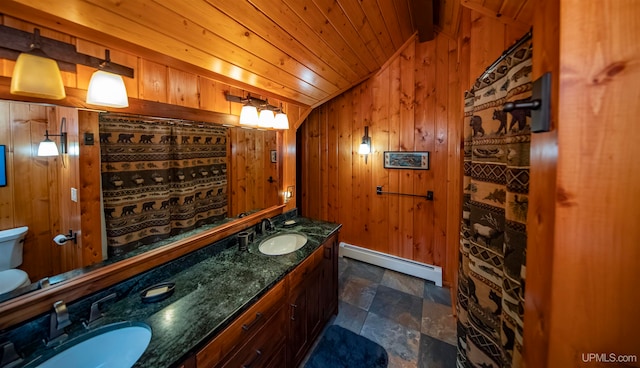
[(160, 177), (493, 227)]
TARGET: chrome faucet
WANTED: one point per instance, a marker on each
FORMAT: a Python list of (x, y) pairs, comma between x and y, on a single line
[(58, 321), (95, 313)]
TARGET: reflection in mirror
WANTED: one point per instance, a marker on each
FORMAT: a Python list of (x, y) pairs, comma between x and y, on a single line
[(160, 178), (57, 194)]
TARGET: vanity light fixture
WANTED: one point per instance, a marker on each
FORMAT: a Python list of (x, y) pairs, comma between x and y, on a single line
[(37, 75), (365, 146), (266, 119), (107, 88), (48, 148)]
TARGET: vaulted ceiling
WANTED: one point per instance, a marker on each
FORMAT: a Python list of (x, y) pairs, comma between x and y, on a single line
[(305, 51)]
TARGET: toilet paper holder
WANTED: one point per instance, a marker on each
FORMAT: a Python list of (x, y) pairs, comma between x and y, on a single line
[(60, 239)]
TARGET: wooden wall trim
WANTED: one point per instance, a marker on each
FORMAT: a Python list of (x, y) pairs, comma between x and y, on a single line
[(30, 305), (76, 98), (541, 213)]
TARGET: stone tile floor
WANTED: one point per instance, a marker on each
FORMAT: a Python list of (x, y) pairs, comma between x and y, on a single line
[(411, 318)]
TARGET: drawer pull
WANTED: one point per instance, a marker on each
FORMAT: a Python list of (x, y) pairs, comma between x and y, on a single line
[(250, 325), (254, 360), (293, 311)]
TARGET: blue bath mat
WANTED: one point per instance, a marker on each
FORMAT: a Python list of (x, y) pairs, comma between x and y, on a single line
[(341, 348)]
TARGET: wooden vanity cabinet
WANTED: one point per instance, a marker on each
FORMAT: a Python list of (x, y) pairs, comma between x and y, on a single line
[(280, 328), (313, 298), (304, 306), (264, 318)]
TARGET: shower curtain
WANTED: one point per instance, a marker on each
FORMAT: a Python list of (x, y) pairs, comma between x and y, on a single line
[(493, 234), (160, 177)]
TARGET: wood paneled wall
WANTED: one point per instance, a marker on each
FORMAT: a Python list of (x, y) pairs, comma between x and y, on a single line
[(157, 80), (32, 195), (254, 180), (415, 103), (584, 263), (161, 79)]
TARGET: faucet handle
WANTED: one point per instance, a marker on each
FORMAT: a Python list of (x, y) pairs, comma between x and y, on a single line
[(57, 322), (95, 313), (10, 357), (62, 314)]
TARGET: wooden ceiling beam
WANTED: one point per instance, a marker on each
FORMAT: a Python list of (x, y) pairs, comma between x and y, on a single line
[(495, 15), (423, 18)]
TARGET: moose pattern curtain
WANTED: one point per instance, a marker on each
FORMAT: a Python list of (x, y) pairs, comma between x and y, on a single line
[(160, 177), (493, 227)]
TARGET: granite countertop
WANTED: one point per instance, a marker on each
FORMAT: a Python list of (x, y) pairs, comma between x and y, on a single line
[(209, 295)]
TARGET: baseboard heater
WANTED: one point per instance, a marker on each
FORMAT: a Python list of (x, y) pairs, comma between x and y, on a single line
[(403, 265)]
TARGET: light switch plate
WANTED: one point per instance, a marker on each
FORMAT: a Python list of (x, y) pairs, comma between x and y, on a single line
[(74, 194)]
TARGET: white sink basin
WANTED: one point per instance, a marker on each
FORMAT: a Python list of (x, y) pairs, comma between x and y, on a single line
[(117, 345), (282, 244)]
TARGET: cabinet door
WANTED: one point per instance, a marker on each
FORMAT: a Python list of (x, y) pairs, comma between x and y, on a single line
[(298, 336), (315, 312), (329, 279)]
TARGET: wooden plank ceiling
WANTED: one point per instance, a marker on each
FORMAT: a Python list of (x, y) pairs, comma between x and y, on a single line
[(304, 51)]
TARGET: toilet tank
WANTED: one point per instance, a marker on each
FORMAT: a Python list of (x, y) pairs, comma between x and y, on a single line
[(11, 242)]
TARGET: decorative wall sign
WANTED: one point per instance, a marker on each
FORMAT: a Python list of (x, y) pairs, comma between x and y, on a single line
[(3, 167), (274, 156), (406, 160)]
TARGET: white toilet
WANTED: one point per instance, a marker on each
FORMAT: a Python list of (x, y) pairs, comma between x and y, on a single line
[(11, 242)]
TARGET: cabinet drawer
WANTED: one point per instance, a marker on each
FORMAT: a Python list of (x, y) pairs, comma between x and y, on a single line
[(264, 347), (243, 328), (306, 268)]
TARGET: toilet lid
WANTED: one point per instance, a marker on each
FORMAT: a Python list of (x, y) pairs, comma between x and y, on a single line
[(12, 279)]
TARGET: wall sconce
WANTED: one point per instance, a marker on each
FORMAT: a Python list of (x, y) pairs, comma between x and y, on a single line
[(37, 75), (107, 88), (266, 119), (48, 148), (365, 146)]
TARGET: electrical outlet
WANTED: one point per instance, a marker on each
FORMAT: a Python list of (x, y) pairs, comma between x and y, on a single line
[(74, 194)]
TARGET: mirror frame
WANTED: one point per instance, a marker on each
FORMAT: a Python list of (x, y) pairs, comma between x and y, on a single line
[(29, 305)]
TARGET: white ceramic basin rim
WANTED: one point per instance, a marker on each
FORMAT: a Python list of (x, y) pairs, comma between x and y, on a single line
[(117, 345), (282, 244)]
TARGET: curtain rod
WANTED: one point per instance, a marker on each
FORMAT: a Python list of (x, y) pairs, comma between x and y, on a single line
[(508, 51)]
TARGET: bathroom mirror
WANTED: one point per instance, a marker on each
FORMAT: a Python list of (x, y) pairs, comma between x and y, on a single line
[(60, 194)]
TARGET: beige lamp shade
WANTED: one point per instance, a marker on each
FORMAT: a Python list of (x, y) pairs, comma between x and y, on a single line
[(249, 115), (281, 121), (266, 119), (107, 89), (47, 148), (364, 149), (37, 76)]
